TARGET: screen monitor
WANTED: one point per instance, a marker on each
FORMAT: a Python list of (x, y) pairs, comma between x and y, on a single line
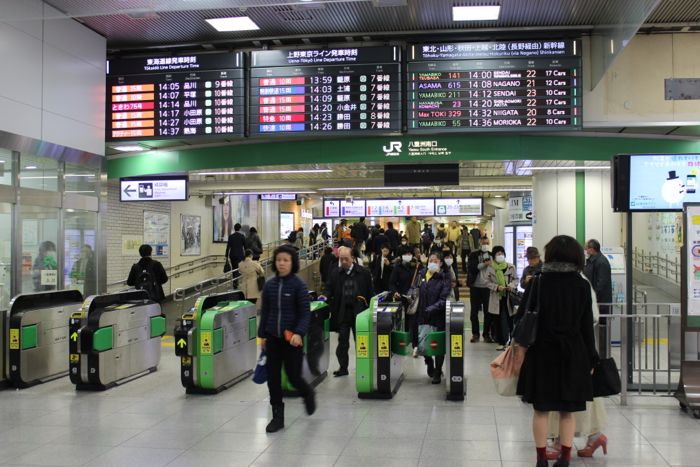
[(421, 174), (662, 182)]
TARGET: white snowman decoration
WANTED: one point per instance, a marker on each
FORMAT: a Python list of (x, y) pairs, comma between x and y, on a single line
[(673, 189)]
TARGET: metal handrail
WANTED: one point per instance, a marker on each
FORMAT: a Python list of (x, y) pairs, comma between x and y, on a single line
[(654, 263)]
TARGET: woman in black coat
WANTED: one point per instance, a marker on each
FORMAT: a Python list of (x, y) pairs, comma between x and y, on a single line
[(434, 290), (556, 372)]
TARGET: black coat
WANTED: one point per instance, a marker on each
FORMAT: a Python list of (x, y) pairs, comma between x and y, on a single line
[(333, 290), (378, 242), (557, 367), (381, 281), (433, 299), (235, 247), (597, 271), (327, 263), (394, 239), (154, 267), (401, 276), (285, 306)]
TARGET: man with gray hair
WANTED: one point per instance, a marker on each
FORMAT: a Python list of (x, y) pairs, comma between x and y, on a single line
[(598, 272), (348, 292)]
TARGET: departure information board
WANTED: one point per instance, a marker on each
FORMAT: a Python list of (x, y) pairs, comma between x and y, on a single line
[(481, 86), (401, 207), (175, 97), (323, 91)]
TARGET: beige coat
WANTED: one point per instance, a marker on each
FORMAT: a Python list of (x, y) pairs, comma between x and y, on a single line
[(413, 232), (248, 283), (511, 281)]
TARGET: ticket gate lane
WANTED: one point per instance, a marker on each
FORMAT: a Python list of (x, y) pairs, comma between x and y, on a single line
[(454, 347), (115, 338), (37, 337)]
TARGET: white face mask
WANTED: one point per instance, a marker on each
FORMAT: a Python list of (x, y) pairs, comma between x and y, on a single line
[(484, 248), (403, 242), (406, 258), (433, 267), (500, 258), (448, 261)]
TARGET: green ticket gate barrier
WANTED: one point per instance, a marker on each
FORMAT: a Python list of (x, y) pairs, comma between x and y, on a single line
[(37, 335), (216, 343), (317, 350), (114, 339), (379, 362)]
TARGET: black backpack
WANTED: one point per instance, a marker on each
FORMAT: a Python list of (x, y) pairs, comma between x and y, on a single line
[(146, 281)]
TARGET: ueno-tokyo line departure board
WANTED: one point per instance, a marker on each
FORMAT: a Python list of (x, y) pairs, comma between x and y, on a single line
[(481, 86), (175, 97), (325, 91)]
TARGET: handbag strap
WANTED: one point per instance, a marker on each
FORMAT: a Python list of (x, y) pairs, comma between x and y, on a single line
[(536, 283), (413, 280)]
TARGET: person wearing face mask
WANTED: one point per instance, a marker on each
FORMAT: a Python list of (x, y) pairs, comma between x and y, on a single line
[(348, 292), (382, 266), (479, 261), (45, 261), (501, 278), (433, 295), (451, 271), (403, 276)]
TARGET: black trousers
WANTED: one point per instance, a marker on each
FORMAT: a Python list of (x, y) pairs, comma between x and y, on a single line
[(341, 352), (411, 327), (478, 298), (437, 362), (464, 254), (279, 351), (504, 322)]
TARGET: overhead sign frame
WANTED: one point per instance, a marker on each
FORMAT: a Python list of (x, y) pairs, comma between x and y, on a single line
[(140, 189)]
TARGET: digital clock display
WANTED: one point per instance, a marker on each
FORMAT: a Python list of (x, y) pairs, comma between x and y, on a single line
[(325, 91), (522, 85), (175, 97)]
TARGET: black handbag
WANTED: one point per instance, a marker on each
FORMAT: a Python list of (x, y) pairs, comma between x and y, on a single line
[(606, 378), (261, 282), (525, 332), (515, 297), (227, 267)]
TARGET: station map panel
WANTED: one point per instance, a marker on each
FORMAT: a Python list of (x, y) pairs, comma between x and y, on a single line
[(175, 97)]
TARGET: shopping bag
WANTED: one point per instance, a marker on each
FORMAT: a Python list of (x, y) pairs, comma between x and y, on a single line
[(606, 378), (505, 369), (423, 331), (260, 373)]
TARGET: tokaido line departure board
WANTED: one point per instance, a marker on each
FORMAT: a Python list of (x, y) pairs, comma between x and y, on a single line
[(481, 86), (175, 97), (325, 91)]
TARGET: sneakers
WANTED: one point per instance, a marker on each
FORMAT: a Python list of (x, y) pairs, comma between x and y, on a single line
[(488, 340), (474, 339), (436, 377), (338, 373), (501, 348)]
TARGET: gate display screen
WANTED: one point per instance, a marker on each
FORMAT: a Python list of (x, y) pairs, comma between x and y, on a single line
[(339, 90), (175, 97), (481, 86)]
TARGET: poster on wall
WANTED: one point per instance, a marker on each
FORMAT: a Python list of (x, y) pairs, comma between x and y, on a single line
[(232, 209), (692, 259), (286, 224), (156, 232), (131, 244), (190, 235)]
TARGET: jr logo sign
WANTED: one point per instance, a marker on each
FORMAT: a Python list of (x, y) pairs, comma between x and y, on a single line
[(393, 150)]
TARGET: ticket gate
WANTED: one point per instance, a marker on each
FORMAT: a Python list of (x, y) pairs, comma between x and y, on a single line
[(114, 339), (317, 350), (4, 382), (216, 342), (37, 336), (379, 347)]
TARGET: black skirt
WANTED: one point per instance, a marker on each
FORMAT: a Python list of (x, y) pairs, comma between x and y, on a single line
[(560, 406)]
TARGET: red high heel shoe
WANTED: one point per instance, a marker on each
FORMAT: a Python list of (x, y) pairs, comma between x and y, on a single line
[(590, 449)]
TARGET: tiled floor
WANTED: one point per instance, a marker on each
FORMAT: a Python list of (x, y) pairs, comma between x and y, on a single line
[(151, 422)]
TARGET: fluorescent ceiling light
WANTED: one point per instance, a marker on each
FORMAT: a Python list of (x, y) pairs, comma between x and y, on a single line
[(475, 13), (258, 172), (31, 167), (582, 167), (265, 193), (385, 188), (128, 148), (237, 23), (80, 175), (488, 188)]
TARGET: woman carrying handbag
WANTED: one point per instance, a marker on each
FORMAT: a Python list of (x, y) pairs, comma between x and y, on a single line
[(556, 372)]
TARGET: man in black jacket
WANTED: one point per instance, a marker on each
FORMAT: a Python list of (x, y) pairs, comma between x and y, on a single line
[(598, 272), (327, 263), (394, 238), (148, 274), (359, 233), (235, 248), (348, 291)]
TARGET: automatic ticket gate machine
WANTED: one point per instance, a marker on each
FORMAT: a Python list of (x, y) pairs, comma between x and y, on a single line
[(37, 336), (216, 342), (114, 338), (380, 345), (317, 349)]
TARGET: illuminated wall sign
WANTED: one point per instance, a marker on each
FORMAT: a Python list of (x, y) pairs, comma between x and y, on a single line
[(335, 90), (400, 207), (166, 188), (331, 208), (278, 196), (458, 207), (175, 97), (355, 208), (478, 86)]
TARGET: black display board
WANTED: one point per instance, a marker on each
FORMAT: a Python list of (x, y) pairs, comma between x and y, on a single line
[(175, 97), (508, 85), (325, 91)]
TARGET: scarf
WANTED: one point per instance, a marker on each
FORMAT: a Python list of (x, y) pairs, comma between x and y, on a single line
[(500, 277), (559, 267)]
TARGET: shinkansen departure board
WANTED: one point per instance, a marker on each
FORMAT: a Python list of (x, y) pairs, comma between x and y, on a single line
[(481, 86), (325, 91), (175, 97)]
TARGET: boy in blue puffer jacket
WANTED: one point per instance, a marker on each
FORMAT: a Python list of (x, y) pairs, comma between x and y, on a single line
[(284, 320)]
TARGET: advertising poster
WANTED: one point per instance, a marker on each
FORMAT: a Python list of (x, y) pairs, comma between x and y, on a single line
[(663, 182), (131, 244), (286, 224), (232, 209), (156, 232), (693, 259), (190, 235)]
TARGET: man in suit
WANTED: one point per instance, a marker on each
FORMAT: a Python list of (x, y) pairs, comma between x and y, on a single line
[(235, 248)]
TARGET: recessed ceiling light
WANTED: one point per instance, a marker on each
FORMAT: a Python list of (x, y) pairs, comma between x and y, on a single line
[(237, 23), (2, 162), (475, 13), (498, 196), (30, 167), (126, 148)]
